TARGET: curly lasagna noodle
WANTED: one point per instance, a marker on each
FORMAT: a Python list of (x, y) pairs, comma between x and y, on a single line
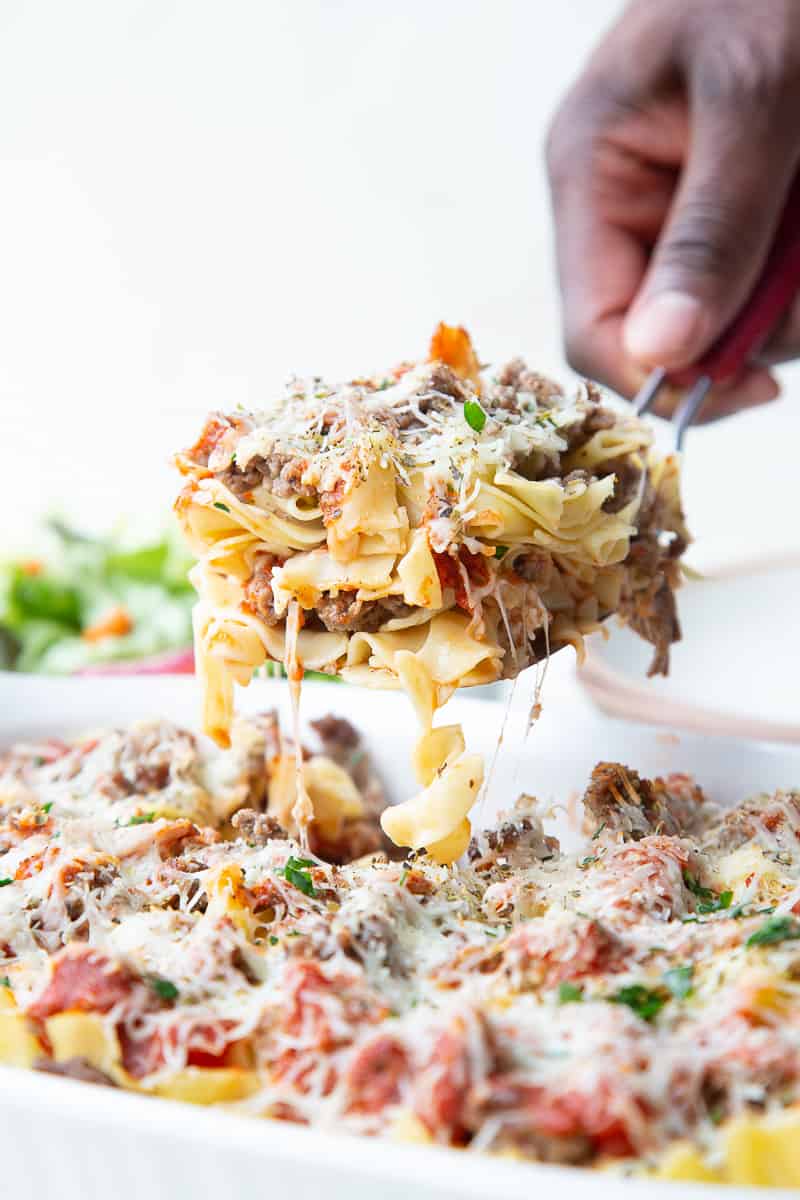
[(435, 527), (634, 1003)]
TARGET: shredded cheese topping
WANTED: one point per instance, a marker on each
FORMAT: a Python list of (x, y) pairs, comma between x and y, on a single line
[(575, 1008)]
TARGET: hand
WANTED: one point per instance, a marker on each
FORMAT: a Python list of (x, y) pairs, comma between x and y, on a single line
[(669, 164)]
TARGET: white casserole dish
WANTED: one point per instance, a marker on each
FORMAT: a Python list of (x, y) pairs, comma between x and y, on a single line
[(58, 1137)]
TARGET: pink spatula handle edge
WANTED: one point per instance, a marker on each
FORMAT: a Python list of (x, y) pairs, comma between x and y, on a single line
[(770, 299)]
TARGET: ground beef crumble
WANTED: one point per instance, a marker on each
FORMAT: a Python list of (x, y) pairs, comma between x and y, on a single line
[(344, 613), (258, 589), (280, 473)]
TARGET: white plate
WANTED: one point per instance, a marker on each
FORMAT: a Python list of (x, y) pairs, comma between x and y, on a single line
[(735, 670), (68, 1139)]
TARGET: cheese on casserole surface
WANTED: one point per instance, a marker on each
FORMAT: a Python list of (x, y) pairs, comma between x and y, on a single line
[(635, 1003)]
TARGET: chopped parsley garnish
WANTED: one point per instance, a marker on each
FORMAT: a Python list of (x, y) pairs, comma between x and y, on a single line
[(296, 872), (644, 1001), (273, 941), (774, 930), (5, 981), (164, 988), (5, 881), (696, 887), (499, 551), (710, 902), (679, 981), (569, 993), (474, 415), (143, 819), (46, 807), (403, 877), (587, 862), (719, 904), (598, 831), (222, 507)]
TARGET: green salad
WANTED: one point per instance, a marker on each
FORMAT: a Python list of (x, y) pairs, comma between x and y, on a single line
[(91, 602)]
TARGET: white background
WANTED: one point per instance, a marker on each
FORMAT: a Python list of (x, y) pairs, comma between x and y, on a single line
[(197, 198)]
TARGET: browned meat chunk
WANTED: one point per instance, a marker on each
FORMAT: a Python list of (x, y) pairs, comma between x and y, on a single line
[(280, 473), (258, 589), (619, 800), (336, 731), (339, 738), (647, 602), (345, 614), (595, 419), (240, 482), (288, 480), (371, 938), (152, 756), (654, 616), (438, 393), (444, 381), (626, 485), (516, 377), (394, 608), (258, 828)]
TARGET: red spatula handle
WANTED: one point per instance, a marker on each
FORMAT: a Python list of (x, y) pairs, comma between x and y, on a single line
[(771, 297)]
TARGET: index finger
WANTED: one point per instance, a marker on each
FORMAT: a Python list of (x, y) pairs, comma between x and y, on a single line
[(602, 246), (600, 269)]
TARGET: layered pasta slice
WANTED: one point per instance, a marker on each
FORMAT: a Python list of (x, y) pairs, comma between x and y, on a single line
[(436, 526)]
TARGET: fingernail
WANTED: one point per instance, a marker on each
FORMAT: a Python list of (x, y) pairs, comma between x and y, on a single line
[(664, 329)]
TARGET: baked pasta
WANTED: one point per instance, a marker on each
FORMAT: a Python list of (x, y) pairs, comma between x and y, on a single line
[(631, 1006), (437, 526)]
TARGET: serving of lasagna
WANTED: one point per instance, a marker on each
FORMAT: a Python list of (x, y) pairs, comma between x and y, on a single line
[(633, 1004), (431, 527)]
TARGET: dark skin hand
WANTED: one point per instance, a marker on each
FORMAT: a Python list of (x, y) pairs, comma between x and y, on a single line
[(669, 163)]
